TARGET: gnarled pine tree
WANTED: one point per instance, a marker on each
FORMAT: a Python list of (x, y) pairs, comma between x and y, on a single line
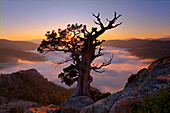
[(82, 44)]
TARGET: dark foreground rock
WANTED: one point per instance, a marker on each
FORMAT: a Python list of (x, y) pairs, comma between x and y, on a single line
[(75, 104), (15, 105), (145, 82)]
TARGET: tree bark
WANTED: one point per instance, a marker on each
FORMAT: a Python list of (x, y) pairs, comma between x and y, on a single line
[(78, 91), (83, 84), (87, 67)]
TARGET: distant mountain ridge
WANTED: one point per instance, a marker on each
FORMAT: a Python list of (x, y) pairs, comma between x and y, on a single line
[(36, 41), (164, 39), (20, 45), (12, 55), (11, 51), (143, 48)]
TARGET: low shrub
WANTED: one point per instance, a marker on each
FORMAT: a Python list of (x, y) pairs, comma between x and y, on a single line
[(156, 103)]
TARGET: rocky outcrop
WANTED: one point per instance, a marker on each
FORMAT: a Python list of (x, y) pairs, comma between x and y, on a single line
[(71, 105), (15, 105), (102, 106), (30, 85), (145, 82), (75, 104)]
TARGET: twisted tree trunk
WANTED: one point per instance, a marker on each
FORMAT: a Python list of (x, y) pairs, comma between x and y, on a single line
[(83, 84)]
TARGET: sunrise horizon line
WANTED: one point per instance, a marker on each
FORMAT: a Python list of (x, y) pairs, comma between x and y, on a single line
[(142, 38)]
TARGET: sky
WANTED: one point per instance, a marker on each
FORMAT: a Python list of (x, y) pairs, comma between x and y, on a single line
[(27, 20)]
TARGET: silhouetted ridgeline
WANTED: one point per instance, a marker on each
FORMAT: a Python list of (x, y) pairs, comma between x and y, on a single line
[(11, 55), (19, 45), (143, 48), (11, 51)]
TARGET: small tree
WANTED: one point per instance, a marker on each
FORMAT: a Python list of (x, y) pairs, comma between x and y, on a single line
[(82, 45)]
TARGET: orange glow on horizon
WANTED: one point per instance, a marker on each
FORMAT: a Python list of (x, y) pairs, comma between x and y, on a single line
[(121, 33), (102, 37)]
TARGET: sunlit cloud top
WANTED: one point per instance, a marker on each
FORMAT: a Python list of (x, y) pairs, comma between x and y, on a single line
[(26, 20)]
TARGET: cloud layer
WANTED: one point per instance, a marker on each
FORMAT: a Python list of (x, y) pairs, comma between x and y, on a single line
[(112, 80)]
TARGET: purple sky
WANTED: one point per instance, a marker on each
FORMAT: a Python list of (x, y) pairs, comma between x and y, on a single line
[(23, 20)]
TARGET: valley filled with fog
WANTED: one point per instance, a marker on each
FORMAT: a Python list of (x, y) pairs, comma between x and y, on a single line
[(113, 79)]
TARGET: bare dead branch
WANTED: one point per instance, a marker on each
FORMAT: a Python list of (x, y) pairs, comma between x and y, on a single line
[(98, 71), (96, 22), (97, 55), (99, 43), (64, 61), (99, 21), (110, 25), (117, 25), (108, 20), (95, 15), (105, 63)]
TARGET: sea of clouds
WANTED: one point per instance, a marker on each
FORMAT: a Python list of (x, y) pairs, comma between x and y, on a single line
[(113, 79)]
